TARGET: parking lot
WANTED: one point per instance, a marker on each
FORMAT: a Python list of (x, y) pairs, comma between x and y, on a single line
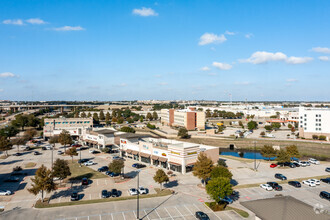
[(186, 211)]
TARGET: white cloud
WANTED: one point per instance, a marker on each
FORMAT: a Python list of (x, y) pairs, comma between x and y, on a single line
[(321, 49), (324, 58), (230, 33), (205, 68), (209, 38), (7, 75), (248, 36), (222, 66), (298, 60), (13, 21), (264, 57), (69, 28), (35, 21), (163, 83), (243, 83), (144, 12), (292, 80)]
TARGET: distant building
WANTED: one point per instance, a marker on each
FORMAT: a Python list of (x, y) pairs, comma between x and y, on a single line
[(164, 153), (75, 126), (314, 121), (188, 118)]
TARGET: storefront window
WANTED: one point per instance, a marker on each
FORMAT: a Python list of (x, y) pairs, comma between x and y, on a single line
[(163, 164), (176, 168), (136, 157), (145, 159)]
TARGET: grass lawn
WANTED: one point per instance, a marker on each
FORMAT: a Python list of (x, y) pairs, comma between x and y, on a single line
[(45, 204), (223, 207), (77, 172), (30, 165), (241, 212)]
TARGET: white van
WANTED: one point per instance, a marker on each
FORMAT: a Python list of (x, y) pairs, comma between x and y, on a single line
[(270, 135)]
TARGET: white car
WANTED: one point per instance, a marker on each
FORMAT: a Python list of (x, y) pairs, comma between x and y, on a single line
[(309, 183), (133, 192), (48, 147), (314, 161), (89, 163), (91, 151), (59, 152), (317, 182), (143, 190), (302, 163), (266, 187), (5, 192)]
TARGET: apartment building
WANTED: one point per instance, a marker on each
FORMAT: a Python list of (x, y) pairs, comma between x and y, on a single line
[(188, 118), (75, 126), (168, 154), (314, 121)]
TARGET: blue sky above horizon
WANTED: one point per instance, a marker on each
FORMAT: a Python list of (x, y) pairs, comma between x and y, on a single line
[(127, 50)]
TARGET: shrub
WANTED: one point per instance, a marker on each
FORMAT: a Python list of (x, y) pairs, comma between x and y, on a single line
[(262, 133), (315, 137), (17, 168), (322, 137), (151, 126), (105, 150)]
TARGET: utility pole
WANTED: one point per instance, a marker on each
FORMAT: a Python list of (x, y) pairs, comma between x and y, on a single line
[(137, 205), (52, 155)]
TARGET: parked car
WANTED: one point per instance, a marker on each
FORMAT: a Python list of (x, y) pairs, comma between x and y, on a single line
[(294, 183), (74, 196), (273, 165), (83, 160), (280, 176), (36, 153), (12, 179), (143, 190), (309, 183), (275, 186), (326, 180), (60, 152), (5, 192), (84, 181), (325, 195), (226, 200), (89, 163), (48, 147), (286, 164), (138, 165), (327, 169), (91, 151), (302, 163), (43, 148), (201, 216), (266, 187), (317, 182), (112, 174), (313, 161), (117, 158), (17, 154), (133, 191), (105, 194), (114, 193), (296, 164), (103, 169), (27, 148)]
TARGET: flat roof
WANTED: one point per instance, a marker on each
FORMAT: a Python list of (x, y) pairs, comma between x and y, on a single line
[(284, 208), (104, 131)]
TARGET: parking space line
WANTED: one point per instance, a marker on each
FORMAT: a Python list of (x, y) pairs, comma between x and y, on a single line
[(158, 214), (227, 215), (134, 214), (179, 212), (188, 209), (123, 215), (146, 214), (90, 196), (168, 213), (111, 216)]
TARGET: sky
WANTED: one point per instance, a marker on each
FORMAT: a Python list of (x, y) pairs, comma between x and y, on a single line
[(165, 50)]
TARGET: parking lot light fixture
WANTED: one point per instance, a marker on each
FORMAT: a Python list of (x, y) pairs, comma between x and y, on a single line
[(137, 205)]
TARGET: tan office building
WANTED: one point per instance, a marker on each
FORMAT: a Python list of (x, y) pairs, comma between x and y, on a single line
[(187, 118)]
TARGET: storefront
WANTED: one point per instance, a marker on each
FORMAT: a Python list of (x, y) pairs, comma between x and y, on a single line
[(129, 154), (175, 167), (155, 160), (163, 162), (135, 155), (145, 158), (189, 167)]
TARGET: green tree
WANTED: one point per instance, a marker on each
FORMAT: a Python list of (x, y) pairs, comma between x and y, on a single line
[(160, 177), (65, 139), (218, 188), (107, 117), (283, 156), (155, 115), (116, 166), (102, 117), (5, 144), (222, 162), (276, 125), (127, 129), (322, 137), (268, 127), (89, 115), (290, 126), (9, 131), (43, 181), (149, 116), (29, 134), (203, 167), (32, 121), (71, 152), (83, 115), (61, 169), (53, 140), (252, 125), (262, 133), (141, 118), (292, 151), (221, 171), (19, 141), (96, 117), (21, 120), (183, 133), (268, 151), (120, 120)]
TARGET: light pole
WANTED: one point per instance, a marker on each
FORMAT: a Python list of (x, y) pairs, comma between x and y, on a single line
[(137, 205), (53, 156), (255, 156)]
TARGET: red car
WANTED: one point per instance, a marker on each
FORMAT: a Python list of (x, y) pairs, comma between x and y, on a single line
[(273, 165), (75, 145)]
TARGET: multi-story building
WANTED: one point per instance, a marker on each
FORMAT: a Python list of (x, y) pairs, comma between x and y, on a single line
[(99, 138), (314, 121), (164, 153), (188, 118), (75, 126)]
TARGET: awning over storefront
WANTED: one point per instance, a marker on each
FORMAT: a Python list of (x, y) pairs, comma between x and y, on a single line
[(129, 151), (145, 155), (162, 159), (135, 152), (190, 164), (90, 141), (176, 164), (154, 157)]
